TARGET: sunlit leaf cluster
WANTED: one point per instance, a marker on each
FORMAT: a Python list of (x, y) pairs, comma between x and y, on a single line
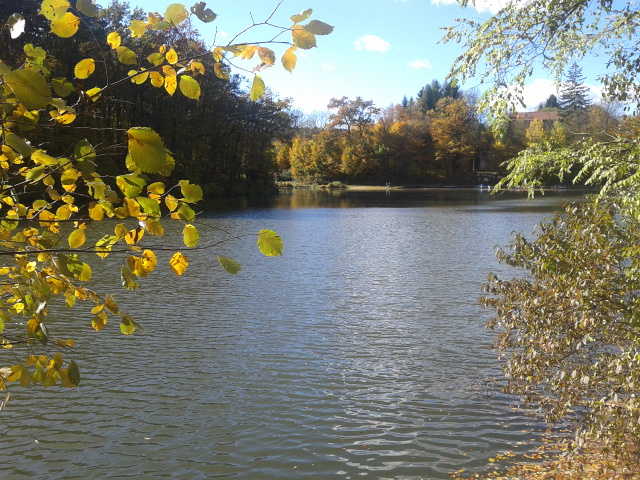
[(50, 197)]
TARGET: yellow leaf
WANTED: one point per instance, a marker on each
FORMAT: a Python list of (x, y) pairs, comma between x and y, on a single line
[(126, 56), (66, 26), (64, 118), (53, 9), (190, 235), (94, 93), (140, 78), (269, 243), (111, 304), (257, 89), (170, 84), (114, 39), (84, 68), (197, 67), (246, 52), (302, 38), (154, 227), (95, 211), (149, 261), (77, 238), (221, 71), (172, 57), (134, 236), (289, 59), (178, 263), (156, 58), (217, 54), (99, 321), (189, 87), (154, 18), (157, 188), (267, 55), (176, 13), (138, 28), (157, 80), (169, 71)]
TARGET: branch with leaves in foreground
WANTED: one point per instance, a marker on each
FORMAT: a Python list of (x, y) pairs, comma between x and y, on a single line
[(50, 199)]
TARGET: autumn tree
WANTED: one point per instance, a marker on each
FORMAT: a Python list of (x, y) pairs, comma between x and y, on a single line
[(568, 326), (352, 115), (51, 192), (454, 130)]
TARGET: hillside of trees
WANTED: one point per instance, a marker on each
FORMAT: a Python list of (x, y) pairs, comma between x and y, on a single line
[(231, 144), (223, 141), (437, 138)]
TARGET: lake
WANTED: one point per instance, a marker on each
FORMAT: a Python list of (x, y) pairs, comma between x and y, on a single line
[(361, 353)]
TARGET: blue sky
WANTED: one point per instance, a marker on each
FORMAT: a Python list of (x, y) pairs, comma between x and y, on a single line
[(380, 50)]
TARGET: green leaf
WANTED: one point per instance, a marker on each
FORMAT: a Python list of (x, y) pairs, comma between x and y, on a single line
[(74, 373), (269, 243), (78, 268), (83, 150), (156, 58), (16, 24), (176, 13), (189, 87), (18, 144), (204, 14), (128, 279), (163, 25), (190, 235), (191, 193), (35, 53), (318, 28), (147, 152), (62, 87), (302, 16), (185, 212), (150, 206), (35, 173), (29, 87), (127, 327), (257, 89), (126, 56), (229, 264), (87, 7), (131, 185)]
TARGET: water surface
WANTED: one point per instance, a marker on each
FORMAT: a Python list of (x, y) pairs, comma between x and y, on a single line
[(361, 353)]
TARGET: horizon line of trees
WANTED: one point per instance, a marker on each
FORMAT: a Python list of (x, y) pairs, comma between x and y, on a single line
[(437, 138)]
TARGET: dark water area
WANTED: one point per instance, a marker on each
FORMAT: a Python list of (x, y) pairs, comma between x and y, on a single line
[(360, 353)]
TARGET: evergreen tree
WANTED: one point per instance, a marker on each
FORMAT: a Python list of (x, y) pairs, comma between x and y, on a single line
[(574, 93), (429, 95)]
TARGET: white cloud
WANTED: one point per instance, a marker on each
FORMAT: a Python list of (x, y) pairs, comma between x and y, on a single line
[(492, 6), (424, 63), (373, 43), (330, 66), (538, 91)]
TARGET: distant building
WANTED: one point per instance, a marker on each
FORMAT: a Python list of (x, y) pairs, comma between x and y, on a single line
[(549, 116)]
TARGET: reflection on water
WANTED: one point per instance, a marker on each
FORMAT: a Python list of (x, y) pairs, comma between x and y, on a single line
[(360, 353)]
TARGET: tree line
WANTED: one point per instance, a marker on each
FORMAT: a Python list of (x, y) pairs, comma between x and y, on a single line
[(438, 137), (223, 141)]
